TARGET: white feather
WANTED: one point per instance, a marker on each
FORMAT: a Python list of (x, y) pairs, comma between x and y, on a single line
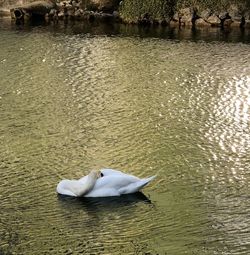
[(112, 183)]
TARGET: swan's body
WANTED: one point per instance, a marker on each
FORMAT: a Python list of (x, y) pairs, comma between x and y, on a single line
[(104, 183)]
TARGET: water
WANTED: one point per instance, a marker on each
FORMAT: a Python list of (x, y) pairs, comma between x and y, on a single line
[(73, 100)]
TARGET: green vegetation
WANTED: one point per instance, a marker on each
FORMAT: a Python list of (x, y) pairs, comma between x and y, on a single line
[(133, 10), (216, 5)]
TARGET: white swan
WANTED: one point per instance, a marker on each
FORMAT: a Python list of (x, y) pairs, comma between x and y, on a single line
[(102, 183)]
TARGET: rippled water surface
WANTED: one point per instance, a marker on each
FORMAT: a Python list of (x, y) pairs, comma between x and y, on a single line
[(71, 102)]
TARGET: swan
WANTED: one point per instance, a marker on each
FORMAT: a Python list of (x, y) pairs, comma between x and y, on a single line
[(103, 183)]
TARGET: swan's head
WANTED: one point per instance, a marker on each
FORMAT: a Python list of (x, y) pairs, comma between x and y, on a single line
[(95, 174)]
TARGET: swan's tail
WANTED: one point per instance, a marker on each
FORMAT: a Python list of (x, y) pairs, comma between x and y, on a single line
[(149, 179), (145, 181), (135, 187)]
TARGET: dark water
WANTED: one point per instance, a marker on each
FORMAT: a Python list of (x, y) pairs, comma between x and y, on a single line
[(175, 104)]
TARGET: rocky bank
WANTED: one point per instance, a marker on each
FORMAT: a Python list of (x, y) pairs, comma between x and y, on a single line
[(142, 12)]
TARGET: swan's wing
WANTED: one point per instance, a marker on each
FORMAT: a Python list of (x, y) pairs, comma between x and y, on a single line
[(114, 181), (136, 186), (112, 172), (110, 185), (106, 172), (105, 192), (109, 171)]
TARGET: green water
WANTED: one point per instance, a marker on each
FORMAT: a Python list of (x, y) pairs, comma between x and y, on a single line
[(179, 108)]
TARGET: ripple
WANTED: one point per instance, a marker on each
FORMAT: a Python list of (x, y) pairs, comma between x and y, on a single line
[(70, 103)]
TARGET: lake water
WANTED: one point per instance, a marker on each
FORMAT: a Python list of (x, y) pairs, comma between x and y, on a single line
[(175, 103)]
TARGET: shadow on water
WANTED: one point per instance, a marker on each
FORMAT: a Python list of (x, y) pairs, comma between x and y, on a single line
[(98, 213), (207, 34), (105, 203)]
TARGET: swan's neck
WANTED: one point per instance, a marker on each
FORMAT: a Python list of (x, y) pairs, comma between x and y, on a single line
[(87, 185)]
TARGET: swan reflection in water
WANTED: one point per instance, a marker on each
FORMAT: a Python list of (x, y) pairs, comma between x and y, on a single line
[(108, 203), (96, 213)]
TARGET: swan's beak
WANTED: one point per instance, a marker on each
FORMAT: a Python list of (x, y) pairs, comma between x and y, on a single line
[(95, 174), (99, 174)]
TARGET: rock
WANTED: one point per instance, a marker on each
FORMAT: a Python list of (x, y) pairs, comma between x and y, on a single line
[(4, 13), (187, 16), (186, 12), (75, 4), (227, 22), (78, 13), (34, 9), (53, 15), (52, 12), (104, 5), (214, 20), (206, 14), (176, 17), (247, 23), (237, 18), (247, 15), (225, 18), (201, 23), (97, 16), (145, 20), (235, 23), (224, 15), (116, 14), (106, 17), (89, 15), (61, 15), (234, 13), (174, 23)]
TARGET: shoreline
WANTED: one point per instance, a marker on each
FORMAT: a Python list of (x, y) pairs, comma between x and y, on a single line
[(176, 33), (90, 16), (190, 17)]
